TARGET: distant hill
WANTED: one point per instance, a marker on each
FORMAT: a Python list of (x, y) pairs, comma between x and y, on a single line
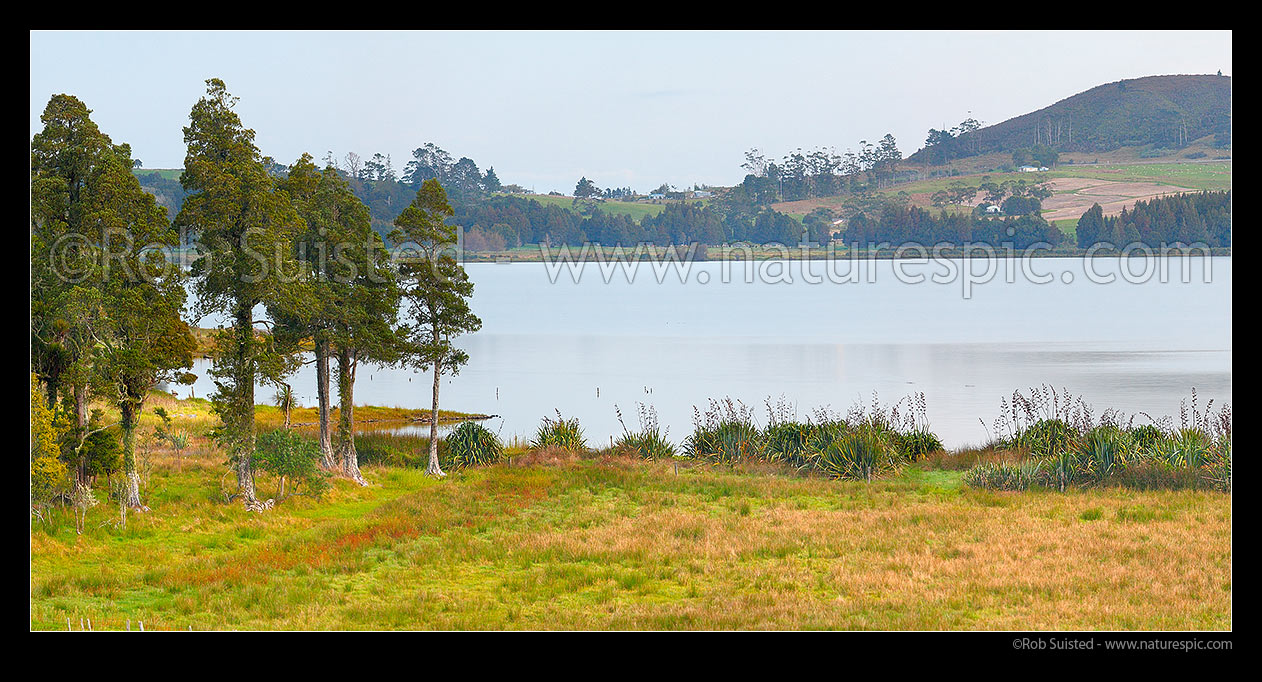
[(1165, 112), (164, 185)]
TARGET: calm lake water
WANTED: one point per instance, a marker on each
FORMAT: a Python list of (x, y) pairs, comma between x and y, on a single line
[(581, 342)]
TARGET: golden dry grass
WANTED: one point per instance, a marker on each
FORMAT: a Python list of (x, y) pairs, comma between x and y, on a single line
[(609, 542)]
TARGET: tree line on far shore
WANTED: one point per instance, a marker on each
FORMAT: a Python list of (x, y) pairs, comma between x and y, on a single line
[(1189, 218)]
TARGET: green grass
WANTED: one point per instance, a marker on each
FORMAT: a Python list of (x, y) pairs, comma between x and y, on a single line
[(1208, 175), (1069, 227), (166, 173), (606, 542)]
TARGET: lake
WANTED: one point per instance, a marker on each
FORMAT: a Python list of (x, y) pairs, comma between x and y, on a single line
[(587, 338)]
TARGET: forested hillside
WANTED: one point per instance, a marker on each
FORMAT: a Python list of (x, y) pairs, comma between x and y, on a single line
[(1167, 112)]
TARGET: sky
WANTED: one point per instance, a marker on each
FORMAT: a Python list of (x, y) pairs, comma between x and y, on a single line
[(622, 108)]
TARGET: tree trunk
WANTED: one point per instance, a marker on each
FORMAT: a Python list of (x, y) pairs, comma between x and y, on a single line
[(346, 421), (327, 460), (81, 421), (434, 469), (131, 482), (243, 409)]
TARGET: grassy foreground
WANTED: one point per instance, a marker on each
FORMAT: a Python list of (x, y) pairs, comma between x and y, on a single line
[(614, 543)]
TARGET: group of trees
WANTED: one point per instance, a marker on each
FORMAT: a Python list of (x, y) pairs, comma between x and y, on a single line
[(508, 221), (460, 178), (1015, 197), (819, 172), (897, 225), (586, 188), (375, 182), (105, 305), (1038, 155), (492, 220), (1191, 218), (946, 145), (964, 140), (298, 244)]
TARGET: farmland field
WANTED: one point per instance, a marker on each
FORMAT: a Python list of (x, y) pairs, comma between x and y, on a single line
[(1075, 187)]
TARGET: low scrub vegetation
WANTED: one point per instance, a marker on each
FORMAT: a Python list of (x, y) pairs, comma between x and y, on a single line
[(293, 460), (617, 538), (650, 441), (472, 444), (868, 441), (562, 433), (1059, 443)]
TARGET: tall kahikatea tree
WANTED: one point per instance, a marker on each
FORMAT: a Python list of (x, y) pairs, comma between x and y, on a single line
[(89, 220), (436, 288), (145, 340), (66, 249), (366, 296), (312, 319), (245, 225), (349, 300)]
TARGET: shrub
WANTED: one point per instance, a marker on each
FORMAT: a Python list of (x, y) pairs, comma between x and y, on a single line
[(792, 442), (725, 434), (471, 444), (857, 454), (916, 444), (48, 473), (560, 433), (1186, 448), (904, 425), (48, 479), (1144, 438), (728, 443), (1047, 438), (650, 441), (646, 445), (798, 443), (1218, 471), (290, 456), (102, 451), (1063, 469), (1073, 447), (1103, 452)]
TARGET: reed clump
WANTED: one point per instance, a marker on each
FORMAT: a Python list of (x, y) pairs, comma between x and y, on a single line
[(868, 441), (650, 441), (472, 444), (562, 433), (1068, 446)]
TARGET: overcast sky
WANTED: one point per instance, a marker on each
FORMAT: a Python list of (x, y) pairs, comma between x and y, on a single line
[(625, 109)]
